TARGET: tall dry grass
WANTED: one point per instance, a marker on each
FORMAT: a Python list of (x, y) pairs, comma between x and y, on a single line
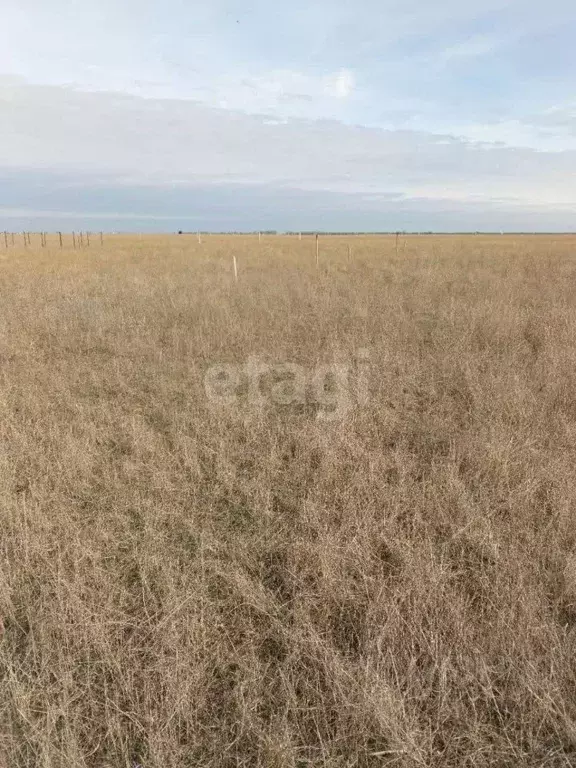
[(188, 585)]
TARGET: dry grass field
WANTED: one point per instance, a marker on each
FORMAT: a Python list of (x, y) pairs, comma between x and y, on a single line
[(380, 573)]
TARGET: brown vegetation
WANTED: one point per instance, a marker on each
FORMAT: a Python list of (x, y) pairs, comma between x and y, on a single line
[(186, 584)]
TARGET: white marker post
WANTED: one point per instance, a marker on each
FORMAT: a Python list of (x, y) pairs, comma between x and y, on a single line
[(235, 268)]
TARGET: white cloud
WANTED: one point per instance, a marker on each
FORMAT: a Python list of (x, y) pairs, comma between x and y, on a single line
[(472, 47), (343, 84), (166, 142), (543, 133), (281, 93), (259, 93)]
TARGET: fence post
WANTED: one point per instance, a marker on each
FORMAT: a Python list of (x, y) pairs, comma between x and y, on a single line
[(60, 238), (317, 251), (101, 238), (74, 239), (88, 239)]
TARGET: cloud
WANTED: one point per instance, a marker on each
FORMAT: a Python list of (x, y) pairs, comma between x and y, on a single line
[(343, 84), (537, 132), (473, 47), (148, 157), (461, 105), (79, 201), (282, 93), (559, 116)]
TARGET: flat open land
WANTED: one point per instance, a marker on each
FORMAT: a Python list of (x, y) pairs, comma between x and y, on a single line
[(321, 515)]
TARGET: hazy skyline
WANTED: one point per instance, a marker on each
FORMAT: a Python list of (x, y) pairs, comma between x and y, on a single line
[(376, 116)]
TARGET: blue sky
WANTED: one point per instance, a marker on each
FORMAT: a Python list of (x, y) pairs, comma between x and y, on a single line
[(304, 115)]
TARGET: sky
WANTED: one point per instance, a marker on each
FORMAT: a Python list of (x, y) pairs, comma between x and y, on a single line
[(377, 115)]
